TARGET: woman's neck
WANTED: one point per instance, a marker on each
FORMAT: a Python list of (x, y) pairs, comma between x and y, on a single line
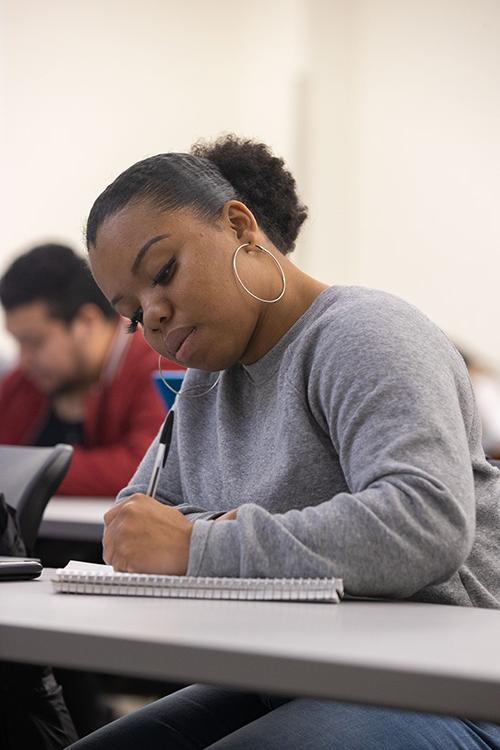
[(277, 318)]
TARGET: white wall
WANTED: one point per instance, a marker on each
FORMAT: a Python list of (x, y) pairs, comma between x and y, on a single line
[(407, 197), (387, 110), (93, 86)]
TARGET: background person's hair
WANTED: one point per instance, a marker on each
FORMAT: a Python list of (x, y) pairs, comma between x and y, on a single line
[(53, 274), (213, 173)]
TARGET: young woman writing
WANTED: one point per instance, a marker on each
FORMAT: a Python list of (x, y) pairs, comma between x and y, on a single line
[(320, 431)]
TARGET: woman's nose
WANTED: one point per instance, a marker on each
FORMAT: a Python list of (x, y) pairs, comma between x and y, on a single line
[(156, 313)]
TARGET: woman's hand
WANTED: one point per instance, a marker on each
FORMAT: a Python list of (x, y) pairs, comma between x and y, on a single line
[(142, 535)]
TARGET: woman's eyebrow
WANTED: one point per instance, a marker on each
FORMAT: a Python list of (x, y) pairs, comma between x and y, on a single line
[(138, 258), (144, 249)]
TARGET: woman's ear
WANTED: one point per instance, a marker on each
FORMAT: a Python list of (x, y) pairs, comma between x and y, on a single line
[(241, 222)]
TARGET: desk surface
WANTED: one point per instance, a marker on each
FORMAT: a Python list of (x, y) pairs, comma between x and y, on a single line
[(75, 518), (408, 655)]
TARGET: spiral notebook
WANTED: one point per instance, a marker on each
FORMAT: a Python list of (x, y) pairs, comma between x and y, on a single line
[(87, 578)]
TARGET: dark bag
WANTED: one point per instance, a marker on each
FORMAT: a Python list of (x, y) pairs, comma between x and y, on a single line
[(10, 538), (33, 713)]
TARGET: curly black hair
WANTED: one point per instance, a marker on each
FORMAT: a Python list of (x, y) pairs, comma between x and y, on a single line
[(56, 275), (230, 168)]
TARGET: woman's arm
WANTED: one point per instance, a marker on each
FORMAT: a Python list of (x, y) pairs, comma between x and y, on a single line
[(398, 415)]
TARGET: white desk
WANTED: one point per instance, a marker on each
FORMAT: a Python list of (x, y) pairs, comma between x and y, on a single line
[(417, 656), (75, 518)]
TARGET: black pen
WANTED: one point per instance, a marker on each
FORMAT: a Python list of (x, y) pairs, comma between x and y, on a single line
[(162, 453)]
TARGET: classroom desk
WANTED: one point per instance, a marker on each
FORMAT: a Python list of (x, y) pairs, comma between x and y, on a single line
[(75, 518), (408, 655)]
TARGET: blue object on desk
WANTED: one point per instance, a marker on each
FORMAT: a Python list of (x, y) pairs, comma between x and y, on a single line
[(174, 378)]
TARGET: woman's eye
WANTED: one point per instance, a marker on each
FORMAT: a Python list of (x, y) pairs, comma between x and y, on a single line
[(135, 320), (164, 273)]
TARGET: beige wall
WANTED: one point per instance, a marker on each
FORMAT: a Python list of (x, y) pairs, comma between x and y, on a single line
[(404, 135), (387, 110)]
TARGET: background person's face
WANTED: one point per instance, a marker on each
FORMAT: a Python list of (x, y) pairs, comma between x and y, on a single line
[(48, 354), (195, 313)]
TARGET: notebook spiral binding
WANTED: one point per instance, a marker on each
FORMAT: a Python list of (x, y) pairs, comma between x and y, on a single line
[(182, 587)]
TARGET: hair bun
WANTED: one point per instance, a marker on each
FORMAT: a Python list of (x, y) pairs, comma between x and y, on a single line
[(262, 183)]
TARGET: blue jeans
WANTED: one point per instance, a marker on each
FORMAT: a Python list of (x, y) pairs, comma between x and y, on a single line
[(201, 716)]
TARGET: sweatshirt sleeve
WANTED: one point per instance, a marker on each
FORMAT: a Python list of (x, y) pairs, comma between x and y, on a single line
[(396, 404)]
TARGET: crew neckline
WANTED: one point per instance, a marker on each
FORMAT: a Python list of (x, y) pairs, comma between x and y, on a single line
[(265, 367)]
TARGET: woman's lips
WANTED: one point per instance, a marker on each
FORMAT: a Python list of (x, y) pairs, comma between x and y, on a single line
[(176, 338)]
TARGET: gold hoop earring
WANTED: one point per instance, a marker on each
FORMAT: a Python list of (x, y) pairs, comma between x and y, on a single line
[(180, 391), (283, 279)]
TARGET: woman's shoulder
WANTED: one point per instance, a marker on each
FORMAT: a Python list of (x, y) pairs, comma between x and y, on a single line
[(347, 311), (354, 324), (343, 306)]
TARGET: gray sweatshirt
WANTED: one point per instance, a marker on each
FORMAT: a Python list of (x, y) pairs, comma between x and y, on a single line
[(352, 449)]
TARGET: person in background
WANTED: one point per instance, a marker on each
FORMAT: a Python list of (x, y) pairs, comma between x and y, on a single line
[(486, 387), (80, 379)]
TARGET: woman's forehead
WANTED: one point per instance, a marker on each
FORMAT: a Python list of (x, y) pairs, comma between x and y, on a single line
[(129, 225), (128, 229)]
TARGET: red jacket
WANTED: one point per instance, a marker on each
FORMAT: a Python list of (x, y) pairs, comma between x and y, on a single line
[(121, 417)]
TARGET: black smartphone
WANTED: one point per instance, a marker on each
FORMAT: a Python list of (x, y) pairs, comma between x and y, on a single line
[(19, 568)]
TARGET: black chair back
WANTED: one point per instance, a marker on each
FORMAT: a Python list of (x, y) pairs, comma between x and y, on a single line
[(29, 476)]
